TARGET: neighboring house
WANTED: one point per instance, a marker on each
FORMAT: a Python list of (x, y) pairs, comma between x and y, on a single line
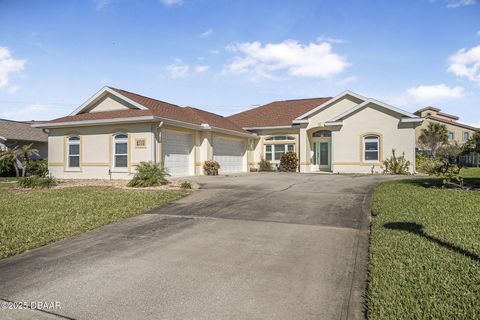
[(19, 133), (457, 132), (115, 130)]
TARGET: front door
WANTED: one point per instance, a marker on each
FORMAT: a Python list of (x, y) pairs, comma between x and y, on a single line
[(321, 155)]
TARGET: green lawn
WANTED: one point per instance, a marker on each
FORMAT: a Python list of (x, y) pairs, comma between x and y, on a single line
[(29, 219), (470, 172), (424, 260)]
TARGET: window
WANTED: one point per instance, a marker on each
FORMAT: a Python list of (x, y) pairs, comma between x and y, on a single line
[(276, 138), (120, 146), (74, 152), (322, 133), (273, 152), (451, 136), (466, 136), (371, 148)]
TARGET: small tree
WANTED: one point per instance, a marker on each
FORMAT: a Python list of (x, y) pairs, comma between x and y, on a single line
[(289, 162), (12, 155), (25, 153), (434, 136), (473, 144)]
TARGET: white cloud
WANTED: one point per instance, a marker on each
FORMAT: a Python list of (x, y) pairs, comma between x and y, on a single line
[(201, 68), (466, 63), (170, 3), (478, 33), (460, 3), (178, 69), (101, 4), (434, 93), (32, 112), (9, 65), (12, 89), (311, 60), (206, 33), (348, 80)]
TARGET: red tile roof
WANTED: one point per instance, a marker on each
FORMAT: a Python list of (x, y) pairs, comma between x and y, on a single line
[(157, 108), (277, 113)]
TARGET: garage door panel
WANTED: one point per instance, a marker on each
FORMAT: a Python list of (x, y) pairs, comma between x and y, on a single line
[(176, 153), (229, 154)]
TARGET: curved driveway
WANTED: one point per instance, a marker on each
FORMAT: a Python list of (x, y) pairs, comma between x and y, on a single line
[(254, 246)]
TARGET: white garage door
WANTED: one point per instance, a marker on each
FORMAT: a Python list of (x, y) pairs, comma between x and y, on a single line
[(176, 148), (229, 154)]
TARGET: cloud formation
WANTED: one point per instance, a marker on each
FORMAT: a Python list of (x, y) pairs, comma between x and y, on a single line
[(178, 69), (434, 93), (466, 63), (460, 3), (201, 68), (170, 3), (9, 65), (311, 60), (206, 33)]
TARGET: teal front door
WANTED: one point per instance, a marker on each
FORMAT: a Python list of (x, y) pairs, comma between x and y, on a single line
[(321, 155)]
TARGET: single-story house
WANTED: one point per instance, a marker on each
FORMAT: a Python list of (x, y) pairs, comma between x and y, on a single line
[(19, 133), (458, 132), (115, 130)]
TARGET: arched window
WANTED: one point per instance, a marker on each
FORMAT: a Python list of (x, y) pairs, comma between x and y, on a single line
[(371, 148), (74, 152), (322, 133), (276, 138), (120, 147)]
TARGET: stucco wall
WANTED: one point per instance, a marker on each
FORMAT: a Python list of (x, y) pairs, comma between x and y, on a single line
[(259, 145), (347, 155), (109, 103), (96, 150)]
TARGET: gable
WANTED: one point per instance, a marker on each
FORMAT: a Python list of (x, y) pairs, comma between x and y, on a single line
[(330, 111), (108, 103)]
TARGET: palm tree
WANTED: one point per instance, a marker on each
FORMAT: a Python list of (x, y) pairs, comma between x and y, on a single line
[(26, 152), (12, 156), (434, 136)]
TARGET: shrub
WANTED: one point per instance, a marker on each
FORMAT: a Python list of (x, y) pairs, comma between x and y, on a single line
[(6, 168), (427, 165), (289, 162), (265, 165), (186, 185), (36, 182), (211, 167), (148, 175), (396, 165), (37, 168)]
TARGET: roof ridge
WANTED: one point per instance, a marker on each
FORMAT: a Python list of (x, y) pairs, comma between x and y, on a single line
[(140, 95), (300, 99), (17, 121)]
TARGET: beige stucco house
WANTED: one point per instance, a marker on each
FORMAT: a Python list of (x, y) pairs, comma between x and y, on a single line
[(458, 132), (115, 130)]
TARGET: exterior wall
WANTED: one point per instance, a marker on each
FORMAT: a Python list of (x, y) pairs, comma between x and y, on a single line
[(96, 151), (259, 145), (109, 103), (451, 127), (347, 140)]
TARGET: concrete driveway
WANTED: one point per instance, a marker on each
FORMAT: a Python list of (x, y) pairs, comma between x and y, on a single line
[(254, 246)]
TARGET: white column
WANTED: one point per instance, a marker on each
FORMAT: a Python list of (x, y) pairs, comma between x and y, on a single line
[(304, 157)]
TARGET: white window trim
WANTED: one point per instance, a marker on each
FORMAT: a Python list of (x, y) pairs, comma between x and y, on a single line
[(75, 142), (122, 140), (286, 144), (371, 151)]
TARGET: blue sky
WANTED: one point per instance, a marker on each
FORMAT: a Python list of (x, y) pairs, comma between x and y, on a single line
[(225, 56)]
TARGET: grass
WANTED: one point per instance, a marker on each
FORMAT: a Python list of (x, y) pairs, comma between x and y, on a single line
[(29, 219), (424, 260), (470, 172)]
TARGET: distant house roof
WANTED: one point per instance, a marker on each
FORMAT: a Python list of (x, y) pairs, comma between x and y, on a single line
[(153, 107), (453, 123), (437, 111), (21, 130), (277, 113)]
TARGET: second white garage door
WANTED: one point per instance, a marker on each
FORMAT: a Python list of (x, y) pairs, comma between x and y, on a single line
[(229, 154), (176, 149)]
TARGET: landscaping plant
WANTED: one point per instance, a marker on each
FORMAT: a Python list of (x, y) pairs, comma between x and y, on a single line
[(433, 137), (36, 182), (289, 162), (148, 175), (37, 168), (265, 165), (186, 185), (211, 167), (396, 165)]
